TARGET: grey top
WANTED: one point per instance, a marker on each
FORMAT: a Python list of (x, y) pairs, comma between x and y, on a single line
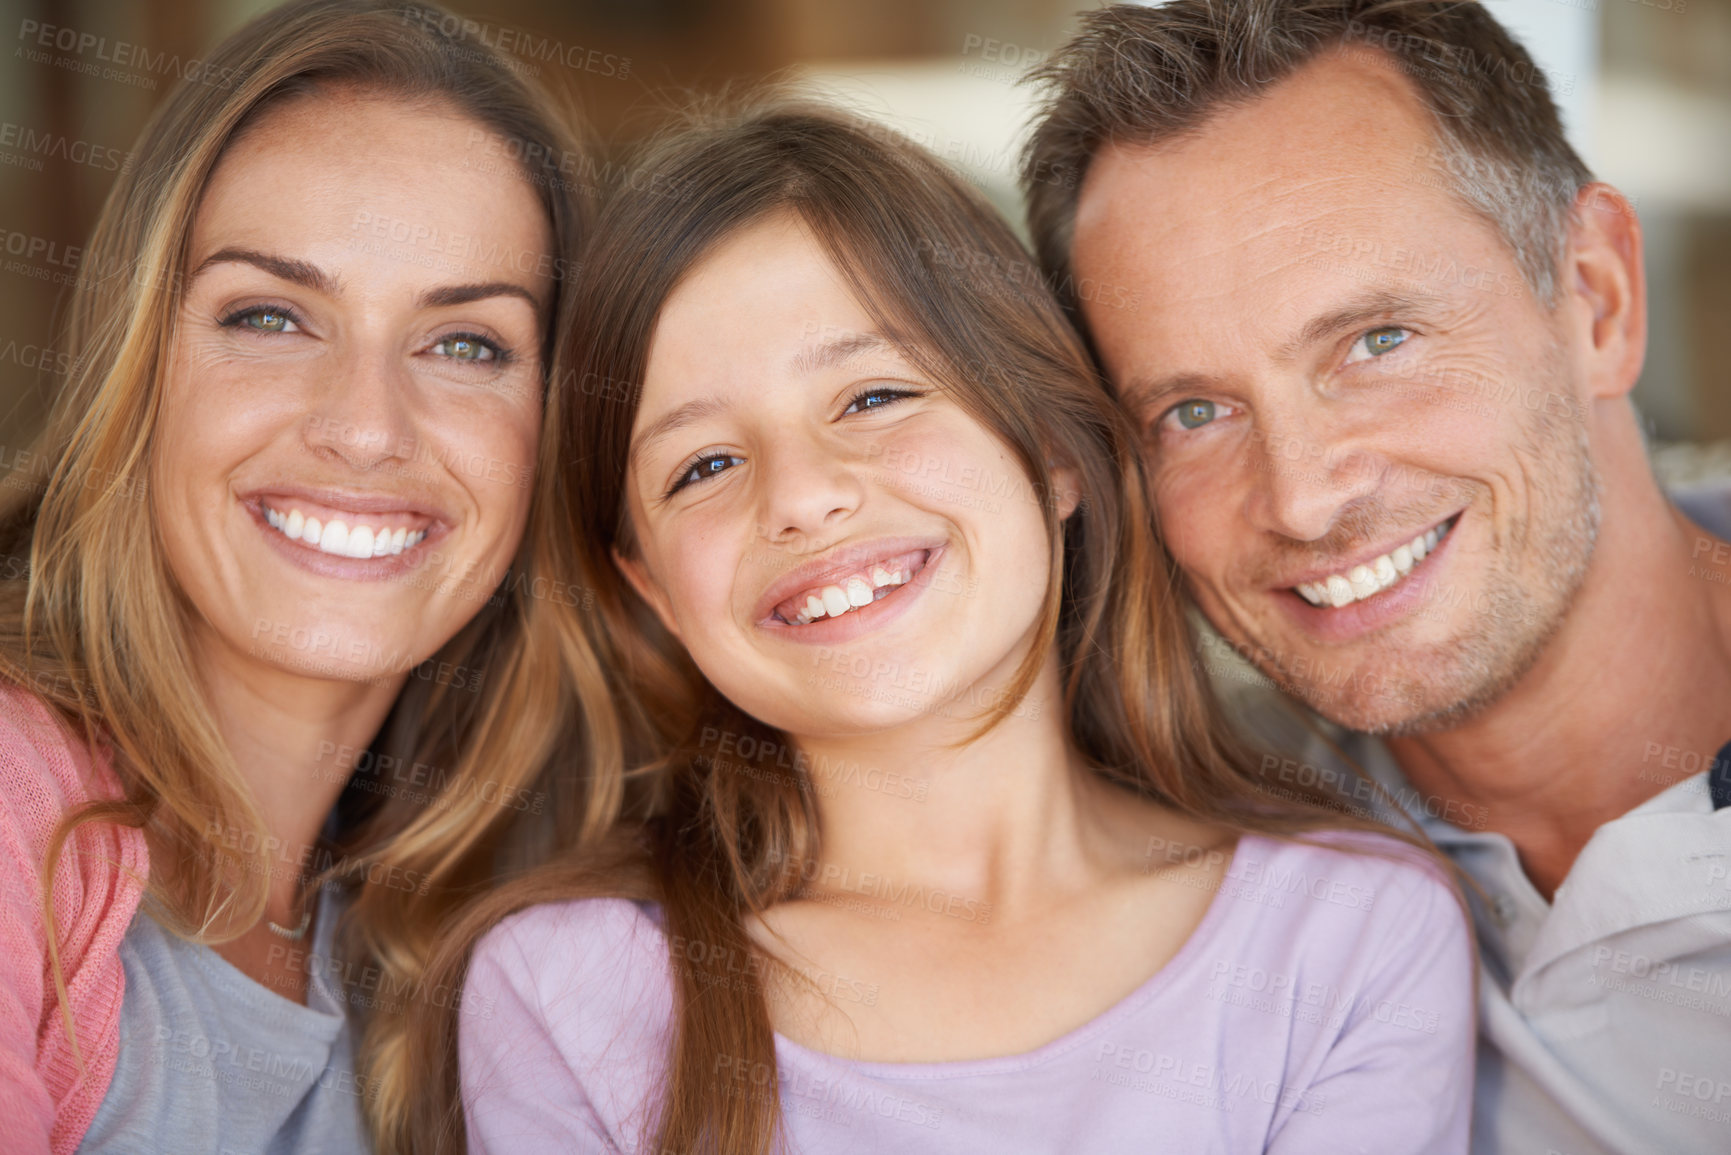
[(212, 1061)]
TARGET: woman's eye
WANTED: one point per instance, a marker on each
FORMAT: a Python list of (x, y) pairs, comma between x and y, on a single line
[(1194, 414), (876, 399), (1377, 342), (703, 468), (467, 347), (262, 319)]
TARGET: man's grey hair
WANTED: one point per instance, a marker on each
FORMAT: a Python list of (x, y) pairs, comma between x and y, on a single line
[(1140, 76)]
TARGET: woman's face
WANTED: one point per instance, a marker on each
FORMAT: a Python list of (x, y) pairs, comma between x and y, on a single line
[(838, 544), (352, 408)]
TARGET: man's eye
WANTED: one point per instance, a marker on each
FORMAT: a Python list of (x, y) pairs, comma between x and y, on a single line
[(1377, 342), (1194, 414), (705, 467)]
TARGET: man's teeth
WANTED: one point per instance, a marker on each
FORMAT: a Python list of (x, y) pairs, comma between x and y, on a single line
[(1373, 577), (340, 538), (834, 600)]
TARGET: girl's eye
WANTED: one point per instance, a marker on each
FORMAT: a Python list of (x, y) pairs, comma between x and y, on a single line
[(1377, 342), (469, 347), (876, 399), (262, 319), (705, 467)]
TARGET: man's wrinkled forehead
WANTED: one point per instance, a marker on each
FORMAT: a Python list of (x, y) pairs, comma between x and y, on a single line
[(1244, 215)]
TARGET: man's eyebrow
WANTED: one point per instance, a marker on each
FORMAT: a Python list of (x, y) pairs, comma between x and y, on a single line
[(834, 352), (1373, 306), (1139, 394), (302, 273), (674, 420)]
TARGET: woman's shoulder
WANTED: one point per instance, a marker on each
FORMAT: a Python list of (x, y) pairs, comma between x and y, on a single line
[(44, 774)]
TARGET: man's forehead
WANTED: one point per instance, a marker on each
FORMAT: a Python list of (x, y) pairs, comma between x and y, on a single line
[(1347, 128)]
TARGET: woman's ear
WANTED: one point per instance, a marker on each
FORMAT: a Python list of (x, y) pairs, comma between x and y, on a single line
[(638, 575)]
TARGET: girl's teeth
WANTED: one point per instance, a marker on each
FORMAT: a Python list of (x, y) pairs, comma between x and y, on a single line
[(1373, 577), (835, 601), (338, 539)]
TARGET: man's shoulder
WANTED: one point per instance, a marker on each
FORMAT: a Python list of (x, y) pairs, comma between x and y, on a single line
[(1707, 504)]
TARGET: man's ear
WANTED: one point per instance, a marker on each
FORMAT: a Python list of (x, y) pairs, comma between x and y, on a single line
[(1603, 279), (648, 589)]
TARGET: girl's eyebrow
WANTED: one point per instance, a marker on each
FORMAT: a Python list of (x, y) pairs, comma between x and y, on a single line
[(838, 350), (674, 420)]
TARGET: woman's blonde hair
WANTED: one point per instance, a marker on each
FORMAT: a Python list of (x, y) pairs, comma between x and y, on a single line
[(98, 630), (714, 840)]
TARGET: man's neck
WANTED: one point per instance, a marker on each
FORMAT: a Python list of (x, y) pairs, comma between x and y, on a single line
[(1631, 696)]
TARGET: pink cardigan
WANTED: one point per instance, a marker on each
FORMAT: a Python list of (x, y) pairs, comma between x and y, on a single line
[(46, 1101)]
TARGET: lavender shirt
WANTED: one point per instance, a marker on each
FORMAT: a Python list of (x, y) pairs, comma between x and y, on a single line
[(1324, 1004)]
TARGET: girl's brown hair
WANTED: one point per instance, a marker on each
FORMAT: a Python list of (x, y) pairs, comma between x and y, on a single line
[(941, 273), (98, 630)]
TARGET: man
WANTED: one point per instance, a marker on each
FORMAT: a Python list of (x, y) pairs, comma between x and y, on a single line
[(1388, 326)]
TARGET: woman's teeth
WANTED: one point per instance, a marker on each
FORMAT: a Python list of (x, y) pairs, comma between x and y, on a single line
[(340, 538), (832, 601), (1373, 577)]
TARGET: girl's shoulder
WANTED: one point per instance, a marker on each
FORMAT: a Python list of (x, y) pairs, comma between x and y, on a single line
[(600, 952), (1350, 891)]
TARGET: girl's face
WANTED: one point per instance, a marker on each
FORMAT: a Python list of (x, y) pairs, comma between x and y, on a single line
[(353, 399), (838, 544)]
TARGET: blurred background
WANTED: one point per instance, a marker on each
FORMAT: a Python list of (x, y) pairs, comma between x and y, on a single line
[(1645, 87)]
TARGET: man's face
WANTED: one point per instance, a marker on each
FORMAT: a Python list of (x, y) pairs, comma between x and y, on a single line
[(1367, 436)]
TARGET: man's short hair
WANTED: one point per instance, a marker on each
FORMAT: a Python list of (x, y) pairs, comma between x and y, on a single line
[(1140, 76)]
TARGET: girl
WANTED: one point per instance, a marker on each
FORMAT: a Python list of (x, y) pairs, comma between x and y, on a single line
[(300, 448), (948, 850)]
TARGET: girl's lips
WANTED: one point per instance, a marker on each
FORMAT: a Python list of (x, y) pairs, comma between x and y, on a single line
[(861, 620), (836, 568), (845, 593)]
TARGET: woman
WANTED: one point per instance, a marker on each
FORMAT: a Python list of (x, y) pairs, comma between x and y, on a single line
[(949, 850), (298, 484)]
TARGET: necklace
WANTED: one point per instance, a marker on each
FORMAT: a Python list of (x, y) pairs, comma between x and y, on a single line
[(297, 933)]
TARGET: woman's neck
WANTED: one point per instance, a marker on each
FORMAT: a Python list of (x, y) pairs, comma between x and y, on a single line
[(295, 740)]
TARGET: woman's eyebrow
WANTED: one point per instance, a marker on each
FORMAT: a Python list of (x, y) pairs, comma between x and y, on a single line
[(309, 275), (303, 273), (463, 294)]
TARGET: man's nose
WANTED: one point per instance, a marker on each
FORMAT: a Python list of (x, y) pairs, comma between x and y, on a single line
[(1304, 479)]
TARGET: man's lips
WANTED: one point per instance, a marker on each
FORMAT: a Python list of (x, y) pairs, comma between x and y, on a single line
[(844, 579), (1341, 583)]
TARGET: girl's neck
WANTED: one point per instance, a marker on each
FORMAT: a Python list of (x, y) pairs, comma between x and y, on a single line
[(997, 818)]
